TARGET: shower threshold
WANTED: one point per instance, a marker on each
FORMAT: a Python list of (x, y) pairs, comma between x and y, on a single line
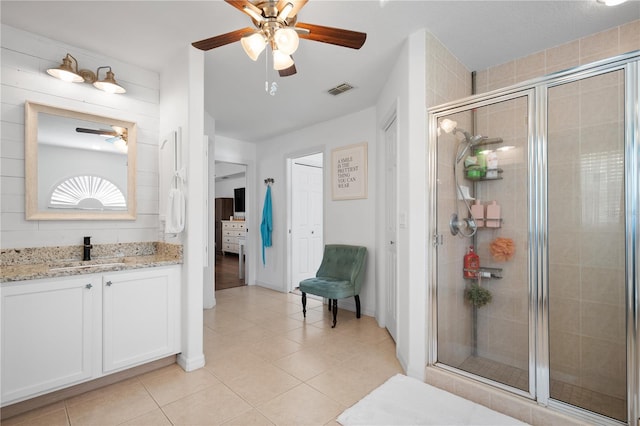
[(597, 402)]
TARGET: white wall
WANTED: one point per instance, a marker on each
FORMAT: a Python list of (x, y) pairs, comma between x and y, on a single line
[(225, 187), (405, 93), (345, 222), (25, 59), (182, 106)]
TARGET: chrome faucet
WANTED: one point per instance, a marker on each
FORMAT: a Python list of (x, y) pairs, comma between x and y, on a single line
[(86, 254)]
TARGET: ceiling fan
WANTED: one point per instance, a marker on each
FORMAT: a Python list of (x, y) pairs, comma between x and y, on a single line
[(118, 136), (276, 25)]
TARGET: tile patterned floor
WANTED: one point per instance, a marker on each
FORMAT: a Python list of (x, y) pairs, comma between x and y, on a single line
[(265, 366)]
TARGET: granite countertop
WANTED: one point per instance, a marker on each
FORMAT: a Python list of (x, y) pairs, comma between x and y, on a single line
[(39, 266)]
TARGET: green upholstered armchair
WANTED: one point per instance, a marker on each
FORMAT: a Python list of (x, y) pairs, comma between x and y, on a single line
[(340, 276)]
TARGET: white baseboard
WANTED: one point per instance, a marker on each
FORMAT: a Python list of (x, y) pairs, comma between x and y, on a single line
[(191, 363)]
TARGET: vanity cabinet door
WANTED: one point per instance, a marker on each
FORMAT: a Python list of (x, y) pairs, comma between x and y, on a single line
[(141, 313), (48, 329)]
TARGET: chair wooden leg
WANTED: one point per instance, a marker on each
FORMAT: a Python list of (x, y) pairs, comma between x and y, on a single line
[(335, 312), (304, 304), (357, 297)]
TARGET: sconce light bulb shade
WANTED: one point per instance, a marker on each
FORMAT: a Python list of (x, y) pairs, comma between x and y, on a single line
[(65, 71), (109, 84), (287, 40), (281, 60), (64, 75), (253, 45), (448, 125)]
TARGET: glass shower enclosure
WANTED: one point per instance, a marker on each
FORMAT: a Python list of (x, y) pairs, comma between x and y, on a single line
[(541, 182)]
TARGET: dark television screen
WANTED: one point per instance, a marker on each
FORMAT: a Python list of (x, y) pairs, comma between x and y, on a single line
[(238, 200)]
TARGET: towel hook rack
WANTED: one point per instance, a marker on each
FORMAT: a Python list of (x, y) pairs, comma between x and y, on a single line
[(269, 181)]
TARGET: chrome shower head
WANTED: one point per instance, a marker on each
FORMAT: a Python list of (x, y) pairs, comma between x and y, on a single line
[(475, 140)]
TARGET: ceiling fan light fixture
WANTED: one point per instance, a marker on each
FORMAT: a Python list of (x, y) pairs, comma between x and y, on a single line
[(121, 145), (108, 84), (66, 71), (253, 45), (287, 40), (281, 60)]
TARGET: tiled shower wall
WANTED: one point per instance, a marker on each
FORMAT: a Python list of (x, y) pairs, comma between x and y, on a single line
[(602, 45)]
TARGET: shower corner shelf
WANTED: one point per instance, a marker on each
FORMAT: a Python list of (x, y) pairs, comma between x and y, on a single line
[(484, 178), (494, 273)]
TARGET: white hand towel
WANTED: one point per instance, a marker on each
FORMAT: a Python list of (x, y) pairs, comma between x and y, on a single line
[(175, 212)]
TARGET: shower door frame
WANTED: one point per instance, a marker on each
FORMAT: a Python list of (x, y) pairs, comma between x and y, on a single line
[(537, 92)]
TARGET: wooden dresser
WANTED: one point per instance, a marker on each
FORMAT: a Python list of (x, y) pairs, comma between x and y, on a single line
[(231, 230)]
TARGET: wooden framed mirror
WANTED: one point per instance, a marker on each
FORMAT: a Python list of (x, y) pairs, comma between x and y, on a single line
[(78, 166)]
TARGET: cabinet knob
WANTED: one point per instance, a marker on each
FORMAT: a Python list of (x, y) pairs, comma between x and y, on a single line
[(109, 283), (88, 286)]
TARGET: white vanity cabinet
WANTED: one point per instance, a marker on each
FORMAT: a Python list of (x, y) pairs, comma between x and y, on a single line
[(63, 331), (140, 317), (49, 328)]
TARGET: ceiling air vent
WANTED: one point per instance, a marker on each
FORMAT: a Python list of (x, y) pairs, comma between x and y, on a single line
[(341, 88)]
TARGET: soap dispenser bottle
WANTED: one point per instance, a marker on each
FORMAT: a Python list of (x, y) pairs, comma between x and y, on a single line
[(477, 211), (471, 264), (493, 215)]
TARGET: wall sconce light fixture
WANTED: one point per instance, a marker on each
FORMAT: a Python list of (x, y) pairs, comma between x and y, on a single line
[(68, 71)]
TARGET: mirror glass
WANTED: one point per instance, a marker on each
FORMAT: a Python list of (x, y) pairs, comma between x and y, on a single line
[(78, 166)]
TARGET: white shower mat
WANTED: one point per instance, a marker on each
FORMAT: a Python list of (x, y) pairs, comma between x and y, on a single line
[(403, 400)]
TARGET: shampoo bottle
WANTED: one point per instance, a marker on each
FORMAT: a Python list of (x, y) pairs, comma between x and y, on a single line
[(471, 264)]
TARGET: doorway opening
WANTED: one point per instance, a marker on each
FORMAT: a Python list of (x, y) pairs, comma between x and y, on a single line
[(306, 233), (230, 225)]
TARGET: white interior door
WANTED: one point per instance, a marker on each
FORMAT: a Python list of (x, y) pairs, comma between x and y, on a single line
[(391, 252), (307, 218)]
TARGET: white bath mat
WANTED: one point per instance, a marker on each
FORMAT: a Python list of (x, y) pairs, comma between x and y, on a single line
[(403, 400)]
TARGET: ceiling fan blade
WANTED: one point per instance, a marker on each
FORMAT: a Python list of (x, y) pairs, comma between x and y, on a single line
[(297, 5), (97, 131), (337, 36), (221, 40), (288, 71), (242, 4)]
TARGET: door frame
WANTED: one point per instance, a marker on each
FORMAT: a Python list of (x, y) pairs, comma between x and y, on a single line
[(391, 118), (251, 216)]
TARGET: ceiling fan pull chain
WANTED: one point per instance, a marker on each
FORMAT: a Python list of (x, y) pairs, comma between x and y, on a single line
[(274, 85), (266, 72)]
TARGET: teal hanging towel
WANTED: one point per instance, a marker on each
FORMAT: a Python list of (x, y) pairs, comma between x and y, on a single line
[(267, 222)]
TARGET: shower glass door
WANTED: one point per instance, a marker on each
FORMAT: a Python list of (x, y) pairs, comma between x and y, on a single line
[(483, 318), (586, 244), (553, 312)]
